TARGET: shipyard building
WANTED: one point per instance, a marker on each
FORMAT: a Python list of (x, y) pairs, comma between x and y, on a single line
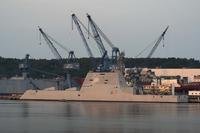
[(164, 81)]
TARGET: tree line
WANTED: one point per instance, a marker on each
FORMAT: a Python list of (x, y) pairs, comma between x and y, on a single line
[(9, 67)]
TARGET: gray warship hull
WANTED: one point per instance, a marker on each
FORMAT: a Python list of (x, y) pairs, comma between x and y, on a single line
[(101, 87)]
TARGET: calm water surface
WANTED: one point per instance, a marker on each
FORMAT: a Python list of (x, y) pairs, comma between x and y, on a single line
[(92, 117)]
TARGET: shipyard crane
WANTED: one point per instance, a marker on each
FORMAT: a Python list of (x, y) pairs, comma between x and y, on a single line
[(115, 50), (72, 62), (161, 37), (96, 35), (104, 65), (97, 32), (78, 24), (25, 69), (50, 44)]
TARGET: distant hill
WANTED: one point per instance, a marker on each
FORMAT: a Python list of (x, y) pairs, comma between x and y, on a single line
[(9, 66)]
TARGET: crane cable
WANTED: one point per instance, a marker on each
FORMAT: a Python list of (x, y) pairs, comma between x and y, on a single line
[(59, 44), (147, 47), (86, 31), (56, 42)]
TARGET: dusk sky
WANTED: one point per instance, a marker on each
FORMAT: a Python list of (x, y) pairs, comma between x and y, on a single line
[(130, 24)]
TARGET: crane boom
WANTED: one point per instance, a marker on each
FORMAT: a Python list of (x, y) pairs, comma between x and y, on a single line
[(72, 62), (115, 50), (76, 21), (97, 31), (96, 35), (60, 45), (103, 35), (157, 43), (105, 64), (50, 44)]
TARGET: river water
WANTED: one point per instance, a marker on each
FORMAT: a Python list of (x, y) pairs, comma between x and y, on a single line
[(98, 117)]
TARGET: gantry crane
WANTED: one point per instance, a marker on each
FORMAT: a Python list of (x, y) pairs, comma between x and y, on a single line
[(161, 37)]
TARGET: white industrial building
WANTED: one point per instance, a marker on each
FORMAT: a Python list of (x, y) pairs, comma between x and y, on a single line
[(193, 75)]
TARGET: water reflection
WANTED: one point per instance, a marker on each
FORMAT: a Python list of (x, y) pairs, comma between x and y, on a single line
[(25, 109), (84, 117), (108, 110)]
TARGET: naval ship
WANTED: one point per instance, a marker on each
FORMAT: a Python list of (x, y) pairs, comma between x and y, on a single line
[(101, 87), (105, 83)]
